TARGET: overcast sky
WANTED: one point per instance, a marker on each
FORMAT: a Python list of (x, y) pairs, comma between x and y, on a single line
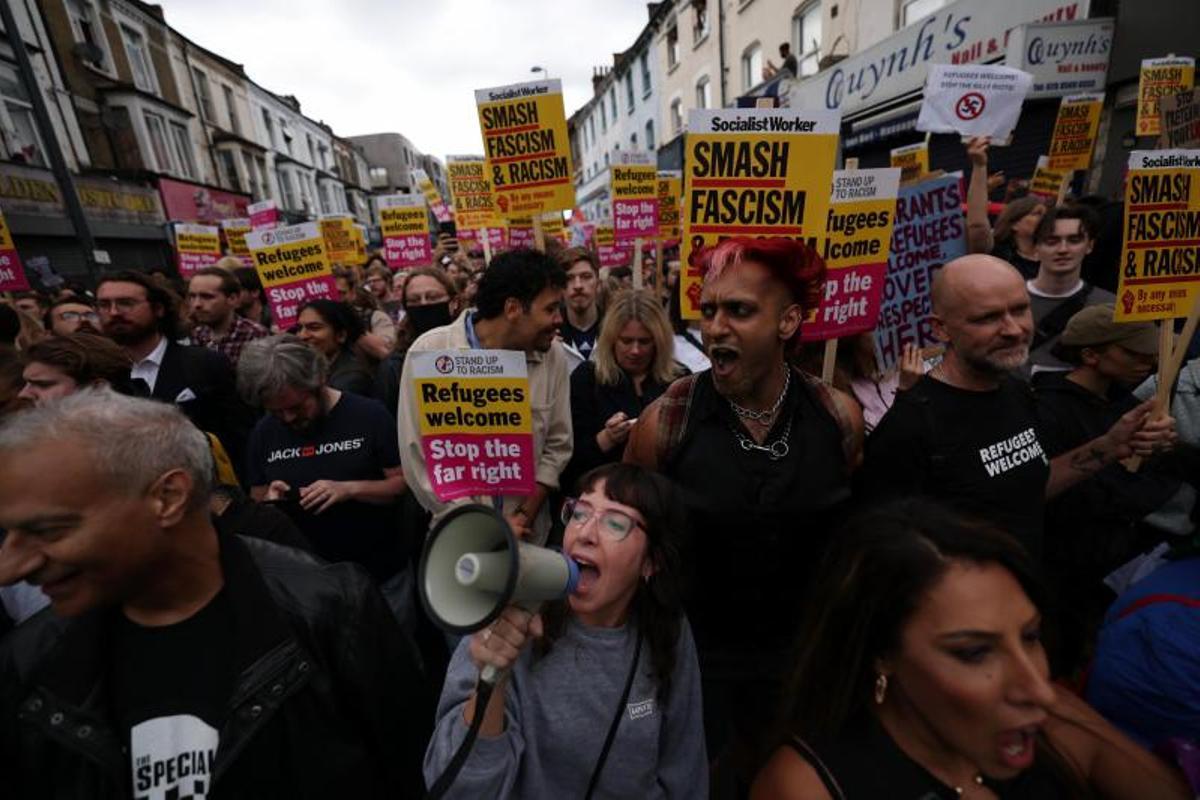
[(372, 66)]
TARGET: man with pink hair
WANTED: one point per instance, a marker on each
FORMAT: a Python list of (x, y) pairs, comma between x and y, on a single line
[(763, 453)]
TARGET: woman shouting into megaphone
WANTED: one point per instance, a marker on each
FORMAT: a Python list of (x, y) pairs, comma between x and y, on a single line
[(607, 676)]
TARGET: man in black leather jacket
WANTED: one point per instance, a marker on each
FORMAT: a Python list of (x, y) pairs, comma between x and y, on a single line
[(175, 662)]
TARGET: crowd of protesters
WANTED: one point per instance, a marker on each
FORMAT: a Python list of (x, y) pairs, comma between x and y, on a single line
[(935, 581)]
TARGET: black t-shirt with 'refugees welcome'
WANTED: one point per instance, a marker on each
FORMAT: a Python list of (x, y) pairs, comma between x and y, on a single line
[(977, 451)]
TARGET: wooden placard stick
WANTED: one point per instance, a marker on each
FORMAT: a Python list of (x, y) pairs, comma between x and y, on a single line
[(830, 361), (487, 246), (639, 280), (539, 235)]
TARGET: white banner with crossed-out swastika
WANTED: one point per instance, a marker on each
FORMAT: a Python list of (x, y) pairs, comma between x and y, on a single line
[(973, 100)]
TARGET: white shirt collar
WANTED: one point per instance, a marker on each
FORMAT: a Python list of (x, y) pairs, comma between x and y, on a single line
[(1039, 293), (155, 356)]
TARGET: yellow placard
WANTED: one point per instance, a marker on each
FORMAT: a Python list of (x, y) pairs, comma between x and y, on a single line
[(553, 226), (192, 241), (433, 198), (913, 161), (1159, 77), (341, 239), (235, 235), (287, 255), (604, 236), (403, 221), (1075, 131), (670, 190), (1045, 181), (6, 240), (471, 193), (1160, 254), (526, 147), (753, 172), (502, 402)]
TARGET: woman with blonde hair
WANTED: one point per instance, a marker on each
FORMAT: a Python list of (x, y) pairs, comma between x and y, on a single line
[(632, 364)]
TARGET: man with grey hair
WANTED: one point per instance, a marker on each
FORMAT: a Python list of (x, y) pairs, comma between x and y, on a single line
[(330, 459), (174, 658), (967, 432)]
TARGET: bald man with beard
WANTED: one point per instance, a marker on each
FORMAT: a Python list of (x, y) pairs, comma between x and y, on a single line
[(966, 433)]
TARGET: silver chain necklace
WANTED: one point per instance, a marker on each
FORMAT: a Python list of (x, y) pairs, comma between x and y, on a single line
[(763, 416), (775, 450)]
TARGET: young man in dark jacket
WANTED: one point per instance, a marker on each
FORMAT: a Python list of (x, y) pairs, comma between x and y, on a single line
[(176, 662)]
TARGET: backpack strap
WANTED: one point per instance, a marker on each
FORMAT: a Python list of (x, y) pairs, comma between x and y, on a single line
[(1056, 321), (674, 405)]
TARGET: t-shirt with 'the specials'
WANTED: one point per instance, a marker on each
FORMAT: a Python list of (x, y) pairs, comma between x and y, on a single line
[(355, 441), (169, 690), (975, 450)]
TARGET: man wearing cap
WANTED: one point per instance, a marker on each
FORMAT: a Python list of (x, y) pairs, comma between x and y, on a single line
[(1095, 526)]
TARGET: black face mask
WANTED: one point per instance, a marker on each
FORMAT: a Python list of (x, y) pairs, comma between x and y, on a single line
[(425, 318)]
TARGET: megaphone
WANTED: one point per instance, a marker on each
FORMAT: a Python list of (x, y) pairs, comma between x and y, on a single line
[(473, 567)]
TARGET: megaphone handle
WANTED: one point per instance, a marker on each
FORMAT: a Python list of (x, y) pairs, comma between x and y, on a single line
[(489, 674)]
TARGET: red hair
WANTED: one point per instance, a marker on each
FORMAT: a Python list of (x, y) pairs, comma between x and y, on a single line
[(797, 266)]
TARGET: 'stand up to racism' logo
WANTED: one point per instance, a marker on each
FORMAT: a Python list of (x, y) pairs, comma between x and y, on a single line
[(444, 365)]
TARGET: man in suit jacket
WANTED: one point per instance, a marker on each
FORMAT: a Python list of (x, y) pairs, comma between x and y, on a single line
[(139, 315)]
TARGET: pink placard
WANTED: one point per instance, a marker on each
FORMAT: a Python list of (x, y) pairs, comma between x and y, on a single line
[(406, 252), (286, 299), (12, 274), (188, 263), (468, 464), (635, 219), (849, 304)]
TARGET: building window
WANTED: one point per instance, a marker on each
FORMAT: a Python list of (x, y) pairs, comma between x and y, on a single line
[(644, 61), (270, 127), (228, 166), (323, 152), (21, 138), (676, 115), (700, 21), (606, 160), (612, 99), (181, 145), (806, 37), (235, 124), (672, 46), (139, 59), (204, 95), (261, 164), (286, 133), (633, 141), (752, 66), (323, 196), (913, 10), (603, 117), (156, 128), (629, 91), (251, 174), (592, 128), (286, 187), (703, 92), (312, 150), (85, 25), (649, 134), (379, 176)]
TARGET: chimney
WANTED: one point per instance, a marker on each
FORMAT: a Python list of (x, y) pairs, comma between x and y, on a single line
[(598, 76)]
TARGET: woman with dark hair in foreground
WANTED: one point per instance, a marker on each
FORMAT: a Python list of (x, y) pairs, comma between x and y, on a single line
[(923, 675)]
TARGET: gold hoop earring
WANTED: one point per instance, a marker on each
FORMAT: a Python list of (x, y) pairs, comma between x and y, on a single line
[(880, 688)]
